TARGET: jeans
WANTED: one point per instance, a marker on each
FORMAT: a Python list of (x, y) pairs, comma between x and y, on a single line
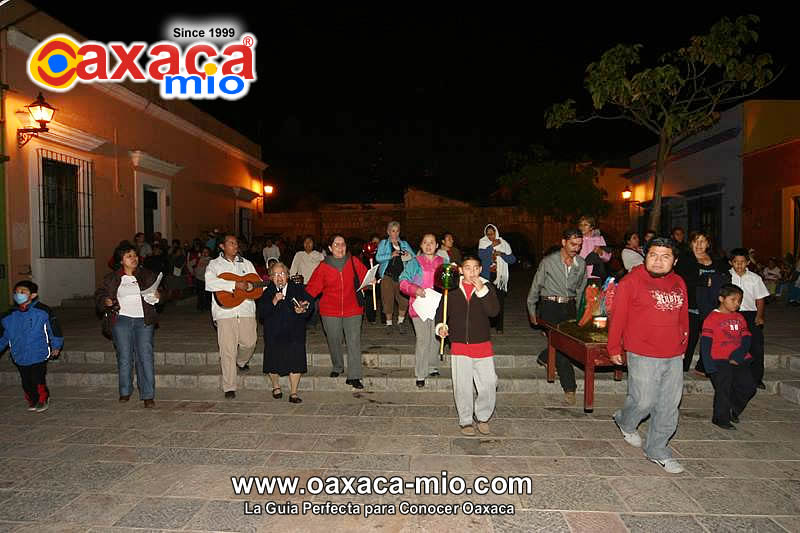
[(134, 341), (655, 386)]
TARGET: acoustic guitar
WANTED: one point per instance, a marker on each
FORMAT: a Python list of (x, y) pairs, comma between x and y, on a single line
[(232, 299)]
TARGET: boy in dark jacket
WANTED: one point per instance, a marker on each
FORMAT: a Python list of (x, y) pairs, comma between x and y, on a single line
[(471, 354), (34, 335), (725, 347)]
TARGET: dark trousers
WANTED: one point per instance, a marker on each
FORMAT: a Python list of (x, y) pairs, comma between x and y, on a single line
[(497, 321), (203, 296), (733, 388), (554, 313), (372, 314), (34, 382), (695, 328), (756, 346)]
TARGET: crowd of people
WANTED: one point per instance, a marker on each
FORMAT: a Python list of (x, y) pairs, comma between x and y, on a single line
[(673, 294)]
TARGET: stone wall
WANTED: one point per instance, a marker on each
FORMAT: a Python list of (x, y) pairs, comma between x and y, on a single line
[(463, 220)]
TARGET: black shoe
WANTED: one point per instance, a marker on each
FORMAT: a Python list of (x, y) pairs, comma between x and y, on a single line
[(402, 328), (434, 374), (334, 374), (724, 425), (761, 385), (420, 383), (356, 383), (293, 398), (230, 395), (541, 362), (734, 418), (245, 367), (277, 395)]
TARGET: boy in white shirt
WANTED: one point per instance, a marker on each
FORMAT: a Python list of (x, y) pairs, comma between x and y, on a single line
[(752, 308)]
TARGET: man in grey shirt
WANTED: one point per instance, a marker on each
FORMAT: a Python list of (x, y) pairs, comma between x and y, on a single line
[(557, 285)]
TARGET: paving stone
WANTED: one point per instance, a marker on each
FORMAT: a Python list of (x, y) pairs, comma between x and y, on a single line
[(593, 522), (225, 516), (661, 523), (530, 521), (32, 505), (652, 494), (79, 477), (166, 513), (739, 496), (739, 524), (573, 493), (97, 509)]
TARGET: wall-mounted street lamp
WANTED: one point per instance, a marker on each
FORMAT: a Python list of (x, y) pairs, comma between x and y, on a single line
[(41, 112), (627, 193), (268, 189)]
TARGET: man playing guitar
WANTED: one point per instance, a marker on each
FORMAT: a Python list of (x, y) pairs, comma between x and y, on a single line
[(236, 326)]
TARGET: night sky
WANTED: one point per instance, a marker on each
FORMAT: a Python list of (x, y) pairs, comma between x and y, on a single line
[(378, 100)]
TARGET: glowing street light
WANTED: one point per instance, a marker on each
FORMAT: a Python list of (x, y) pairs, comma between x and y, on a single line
[(269, 189), (627, 193)]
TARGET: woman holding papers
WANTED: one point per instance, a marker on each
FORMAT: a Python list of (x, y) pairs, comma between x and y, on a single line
[(416, 281), (129, 294)]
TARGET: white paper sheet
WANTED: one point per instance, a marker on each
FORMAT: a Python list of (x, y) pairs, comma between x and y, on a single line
[(426, 307), (152, 288), (370, 277)]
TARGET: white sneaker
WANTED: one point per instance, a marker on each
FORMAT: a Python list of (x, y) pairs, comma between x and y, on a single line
[(670, 465), (631, 438)]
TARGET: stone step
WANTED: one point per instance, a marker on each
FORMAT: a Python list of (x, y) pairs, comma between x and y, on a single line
[(399, 379), (372, 357), (790, 390)]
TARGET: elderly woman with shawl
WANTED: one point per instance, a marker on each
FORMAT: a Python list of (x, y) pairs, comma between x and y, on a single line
[(496, 256)]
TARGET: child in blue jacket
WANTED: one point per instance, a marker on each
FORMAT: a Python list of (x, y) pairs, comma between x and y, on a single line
[(34, 335)]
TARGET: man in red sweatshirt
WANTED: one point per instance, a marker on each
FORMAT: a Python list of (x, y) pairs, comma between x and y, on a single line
[(650, 321)]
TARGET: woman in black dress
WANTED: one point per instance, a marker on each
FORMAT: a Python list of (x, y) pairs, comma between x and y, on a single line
[(285, 307), (704, 275)]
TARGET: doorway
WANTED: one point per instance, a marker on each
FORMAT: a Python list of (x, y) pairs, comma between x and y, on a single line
[(152, 219), (153, 205)]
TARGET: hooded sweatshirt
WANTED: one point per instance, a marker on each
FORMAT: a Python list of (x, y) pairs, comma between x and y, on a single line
[(651, 315)]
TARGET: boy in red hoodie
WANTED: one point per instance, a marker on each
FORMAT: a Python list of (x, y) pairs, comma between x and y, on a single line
[(724, 348), (650, 322)]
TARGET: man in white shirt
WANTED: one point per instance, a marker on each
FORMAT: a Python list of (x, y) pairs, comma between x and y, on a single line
[(270, 250), (752, 309), (236, 326), (305, 262)]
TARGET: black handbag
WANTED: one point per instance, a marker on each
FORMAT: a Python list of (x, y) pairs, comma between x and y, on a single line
[(359, 295), (107, 323)]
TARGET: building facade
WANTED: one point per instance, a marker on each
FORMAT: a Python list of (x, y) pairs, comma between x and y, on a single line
[(738, 180), (117, 160)]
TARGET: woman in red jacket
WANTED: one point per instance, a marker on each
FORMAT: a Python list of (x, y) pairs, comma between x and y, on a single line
[(337, 278)]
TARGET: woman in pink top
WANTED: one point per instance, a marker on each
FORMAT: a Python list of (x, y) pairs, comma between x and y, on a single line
[(593, 248), (417, 276)]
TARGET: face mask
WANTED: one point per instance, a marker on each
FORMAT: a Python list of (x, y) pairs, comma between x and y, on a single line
[(20, 298)]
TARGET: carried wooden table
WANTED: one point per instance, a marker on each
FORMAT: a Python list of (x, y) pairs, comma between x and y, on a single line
[(589, 354)]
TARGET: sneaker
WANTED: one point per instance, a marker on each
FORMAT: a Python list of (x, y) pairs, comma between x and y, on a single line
[(420, 383), (631, 438), (32, 407), (42, 406), (434, 374), (469, 431), (569, 397), (230, 395), (670, 465), (483, 428)]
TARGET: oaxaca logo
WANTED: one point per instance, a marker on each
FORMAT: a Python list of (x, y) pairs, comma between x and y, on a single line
[(200, 71)]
